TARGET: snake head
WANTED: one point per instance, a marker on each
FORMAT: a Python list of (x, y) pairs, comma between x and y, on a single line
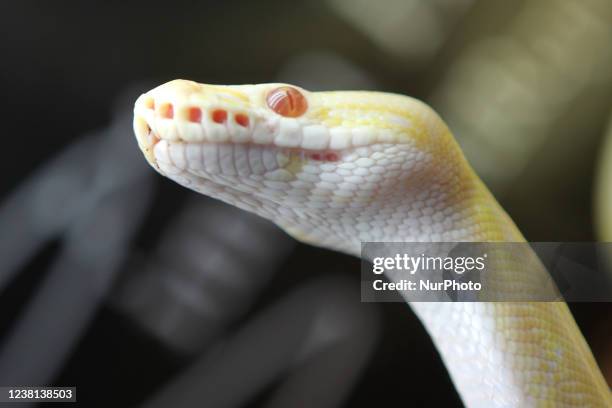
[(316, 163)]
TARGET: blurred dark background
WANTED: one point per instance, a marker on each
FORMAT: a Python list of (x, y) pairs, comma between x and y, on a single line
[(526, 86)]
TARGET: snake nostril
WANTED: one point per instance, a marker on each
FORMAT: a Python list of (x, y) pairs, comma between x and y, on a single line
[(194, 115), (166, 110)]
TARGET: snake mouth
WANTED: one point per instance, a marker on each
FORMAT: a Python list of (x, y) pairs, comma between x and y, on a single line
[(175, 124), (209, 118), (147, 138)]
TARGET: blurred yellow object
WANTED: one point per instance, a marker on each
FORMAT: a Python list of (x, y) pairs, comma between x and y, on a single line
[(504, 94), (603, 192), (410, 29)]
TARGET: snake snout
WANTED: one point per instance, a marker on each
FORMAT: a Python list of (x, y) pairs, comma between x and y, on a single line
[(143, 125), (178, 112)]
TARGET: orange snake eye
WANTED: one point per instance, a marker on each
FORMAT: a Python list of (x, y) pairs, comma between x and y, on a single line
[(287, 101)]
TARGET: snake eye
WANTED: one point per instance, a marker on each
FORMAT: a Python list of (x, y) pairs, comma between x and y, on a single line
[(287, 101)]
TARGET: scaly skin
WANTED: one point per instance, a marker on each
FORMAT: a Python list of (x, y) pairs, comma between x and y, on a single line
[(366, 166)]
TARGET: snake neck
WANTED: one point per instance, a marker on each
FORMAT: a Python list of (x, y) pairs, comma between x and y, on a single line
[(442, 200)]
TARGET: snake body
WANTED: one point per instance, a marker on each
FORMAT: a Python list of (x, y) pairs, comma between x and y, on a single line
[(335, 169)]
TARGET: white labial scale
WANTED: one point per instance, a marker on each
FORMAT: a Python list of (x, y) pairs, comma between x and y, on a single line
[(193, 153), (210, 156), (215, 132), (315, 137), (340, 138), (238, 133), (389, 136), (147, 114), (269, 159), (241, 159), (226, 159), (289, 133), (189, 131), (161, 152), (166, 127), (256, 161), (177, 155), (263, 132), (363, 136)]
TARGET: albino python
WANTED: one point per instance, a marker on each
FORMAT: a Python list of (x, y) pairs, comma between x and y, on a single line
[(334, 169)]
